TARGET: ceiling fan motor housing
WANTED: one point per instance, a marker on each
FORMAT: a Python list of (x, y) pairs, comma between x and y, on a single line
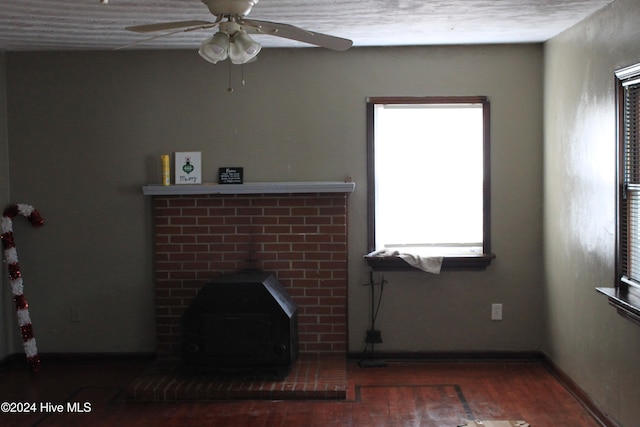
[(230, 7)]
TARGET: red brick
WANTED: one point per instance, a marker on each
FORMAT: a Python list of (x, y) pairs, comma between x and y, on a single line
[(331, 229), (208, 256), (317, 309), (237, 201), (237, 238), (332, 265), (264, 201), (291, 201), (210, 220), (195, 211), (222, 229), (304, 229), (338, 211), (265, 238), (182, 238), (323, 293), (237, 220), (209, 202), (332, 301), (181, 256), (337, 247), (250, 228), (305, 265), (235, 256), (222, 247), (319, 256), (320, 238), (290, 255), (182, 202), (277, 247), (339, 220), (249, 211), (306, 211), (209, 238), (196, 265), (321, 221), (340, 238), (265, 220), (291, 220), (291, 238), (196, 229), (277, 211), (221, 211), (304, 247), (224, 266)]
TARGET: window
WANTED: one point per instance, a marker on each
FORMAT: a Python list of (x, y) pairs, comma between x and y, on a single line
[(625, 297), (428, 179), (629, 198)]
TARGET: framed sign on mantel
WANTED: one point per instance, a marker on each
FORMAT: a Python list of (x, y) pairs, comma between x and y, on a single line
[(228, 175), (188, 167)]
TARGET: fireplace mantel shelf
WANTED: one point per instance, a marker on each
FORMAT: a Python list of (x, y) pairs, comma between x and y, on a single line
[(250, 188)]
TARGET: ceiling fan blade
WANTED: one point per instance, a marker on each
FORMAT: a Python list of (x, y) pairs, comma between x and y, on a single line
[(163, 26), (179, 30), (294, 33)]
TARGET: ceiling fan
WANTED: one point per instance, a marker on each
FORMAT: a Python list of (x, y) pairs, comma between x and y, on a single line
[(232, 38)]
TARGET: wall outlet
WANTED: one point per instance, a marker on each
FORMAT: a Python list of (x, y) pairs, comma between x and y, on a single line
[(496, 311)]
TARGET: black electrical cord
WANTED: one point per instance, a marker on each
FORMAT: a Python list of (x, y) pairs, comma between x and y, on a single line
[(375, 316), (375, 308)]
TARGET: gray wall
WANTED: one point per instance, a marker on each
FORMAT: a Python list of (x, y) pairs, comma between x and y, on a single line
[(585, 337), (5, 306), (86, 131)]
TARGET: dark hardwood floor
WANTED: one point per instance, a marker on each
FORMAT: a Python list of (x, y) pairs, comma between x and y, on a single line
[(401, 394)]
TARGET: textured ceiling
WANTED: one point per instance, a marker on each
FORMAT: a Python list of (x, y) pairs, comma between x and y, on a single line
[(90, 25)]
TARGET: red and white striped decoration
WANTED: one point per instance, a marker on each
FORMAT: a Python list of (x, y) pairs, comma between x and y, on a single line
[(15, 277)]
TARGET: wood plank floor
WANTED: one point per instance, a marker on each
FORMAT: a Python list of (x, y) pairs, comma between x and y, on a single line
[(431, 394)]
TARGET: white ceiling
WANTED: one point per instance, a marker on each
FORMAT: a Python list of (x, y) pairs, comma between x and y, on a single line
[(90, 25)]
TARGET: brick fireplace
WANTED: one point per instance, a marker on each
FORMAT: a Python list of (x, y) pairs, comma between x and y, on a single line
[(299, 237)]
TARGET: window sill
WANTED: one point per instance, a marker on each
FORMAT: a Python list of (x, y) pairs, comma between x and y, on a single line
[(626, 303), (451, 263)]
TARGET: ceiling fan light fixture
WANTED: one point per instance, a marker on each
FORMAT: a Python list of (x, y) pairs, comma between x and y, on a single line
[(243, 48), (215, 48)]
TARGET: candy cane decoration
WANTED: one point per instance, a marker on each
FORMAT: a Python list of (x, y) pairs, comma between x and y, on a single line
[(15, 277)]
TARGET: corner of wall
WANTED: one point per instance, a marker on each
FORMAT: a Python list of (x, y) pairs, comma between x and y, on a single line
[(5, 312)]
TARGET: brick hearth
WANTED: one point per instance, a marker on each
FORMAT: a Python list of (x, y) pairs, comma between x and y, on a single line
[(300, 238), (312, 377)]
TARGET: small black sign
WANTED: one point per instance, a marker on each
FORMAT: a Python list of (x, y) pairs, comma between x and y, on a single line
[(230, 176)]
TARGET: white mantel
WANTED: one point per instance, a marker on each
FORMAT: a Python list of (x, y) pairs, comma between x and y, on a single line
[(250, 188)]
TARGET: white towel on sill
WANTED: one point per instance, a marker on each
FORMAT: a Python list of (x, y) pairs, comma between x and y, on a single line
[(430, 264)]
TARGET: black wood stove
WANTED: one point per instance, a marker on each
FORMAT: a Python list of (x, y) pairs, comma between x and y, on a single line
[(244, 322)]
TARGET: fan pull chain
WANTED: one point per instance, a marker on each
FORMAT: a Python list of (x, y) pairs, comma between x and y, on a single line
[(230, 89)]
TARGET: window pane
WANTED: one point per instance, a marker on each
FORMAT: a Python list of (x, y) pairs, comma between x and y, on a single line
[(633, 200), (429, 176)]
